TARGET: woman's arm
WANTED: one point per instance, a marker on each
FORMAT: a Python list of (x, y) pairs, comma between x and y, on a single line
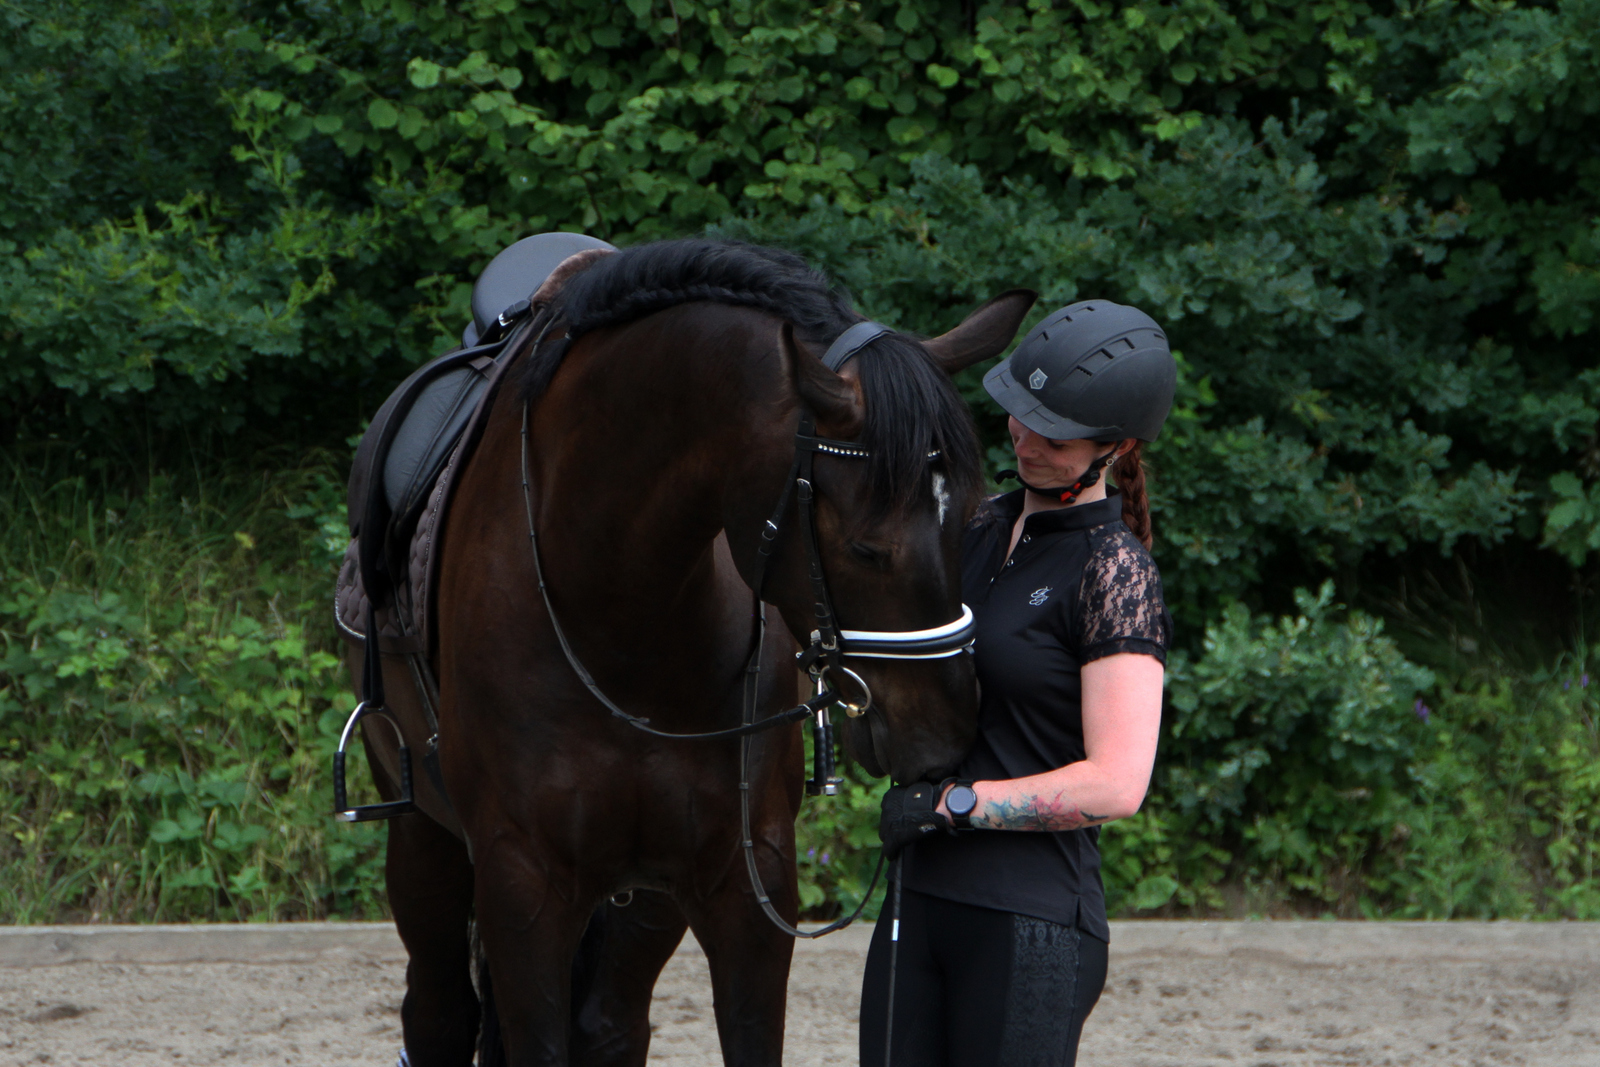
[(1121, 718)]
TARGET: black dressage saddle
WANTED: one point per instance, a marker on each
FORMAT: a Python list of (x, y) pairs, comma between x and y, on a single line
[(400, 485), (414, 434)]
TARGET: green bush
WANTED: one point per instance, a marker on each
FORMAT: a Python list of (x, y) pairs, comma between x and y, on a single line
[(169, 701), (1306, 765), (1371, 231), (1286, 752)]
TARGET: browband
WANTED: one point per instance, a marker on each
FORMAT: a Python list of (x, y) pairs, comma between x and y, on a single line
[(852, 341)]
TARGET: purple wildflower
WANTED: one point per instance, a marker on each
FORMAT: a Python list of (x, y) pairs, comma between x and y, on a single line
[(1583, 682), (811, 853), (1565, 686), (1422, 710), (825, 859)]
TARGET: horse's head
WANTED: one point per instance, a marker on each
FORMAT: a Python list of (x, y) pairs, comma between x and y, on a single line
[(889, 516)]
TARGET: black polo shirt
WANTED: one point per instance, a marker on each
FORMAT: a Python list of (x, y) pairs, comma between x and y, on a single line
[(1079, 587)]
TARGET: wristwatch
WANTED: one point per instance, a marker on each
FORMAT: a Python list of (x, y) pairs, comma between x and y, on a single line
[(960, 801)]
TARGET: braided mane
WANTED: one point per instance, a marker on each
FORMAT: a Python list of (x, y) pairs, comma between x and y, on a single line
[(912, 408)]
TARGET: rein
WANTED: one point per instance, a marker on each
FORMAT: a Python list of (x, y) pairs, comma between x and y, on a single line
[(825, 655)]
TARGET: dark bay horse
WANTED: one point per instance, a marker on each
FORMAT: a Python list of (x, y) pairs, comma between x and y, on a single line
[(661, 431)]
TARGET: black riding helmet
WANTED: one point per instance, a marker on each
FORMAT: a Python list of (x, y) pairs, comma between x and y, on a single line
[(1093, 370)]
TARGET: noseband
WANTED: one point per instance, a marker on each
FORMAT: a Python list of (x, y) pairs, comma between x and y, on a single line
[(830, 645)]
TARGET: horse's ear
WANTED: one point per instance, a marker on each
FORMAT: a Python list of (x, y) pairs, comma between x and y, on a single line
[(833, 398), (982, 334)]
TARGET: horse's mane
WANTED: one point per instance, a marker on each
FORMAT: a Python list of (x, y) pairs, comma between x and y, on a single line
[(912, 408)]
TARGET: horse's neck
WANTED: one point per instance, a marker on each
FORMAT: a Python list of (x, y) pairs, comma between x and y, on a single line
[(644, 435)]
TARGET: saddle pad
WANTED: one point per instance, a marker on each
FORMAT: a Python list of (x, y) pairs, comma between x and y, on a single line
[(404, 624)]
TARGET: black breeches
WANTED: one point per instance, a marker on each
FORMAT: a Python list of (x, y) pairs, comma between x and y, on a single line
[(975, 987)]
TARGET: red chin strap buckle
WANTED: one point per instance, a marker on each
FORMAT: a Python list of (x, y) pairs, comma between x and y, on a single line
[(1070, 493)]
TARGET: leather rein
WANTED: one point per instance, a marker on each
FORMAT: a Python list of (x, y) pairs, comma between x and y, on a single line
[(824, 656)]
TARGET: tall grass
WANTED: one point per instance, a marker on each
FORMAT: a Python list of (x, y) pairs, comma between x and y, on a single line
[(169, 694)]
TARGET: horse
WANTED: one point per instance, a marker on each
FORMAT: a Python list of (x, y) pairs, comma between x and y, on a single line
[(633, 490)]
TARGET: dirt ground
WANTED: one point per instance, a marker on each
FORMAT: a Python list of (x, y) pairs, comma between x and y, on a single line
[(1191, 994)]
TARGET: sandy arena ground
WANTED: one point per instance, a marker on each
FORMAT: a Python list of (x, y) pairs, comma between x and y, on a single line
[(1191, 994)]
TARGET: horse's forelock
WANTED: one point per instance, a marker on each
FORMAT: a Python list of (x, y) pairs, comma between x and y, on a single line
[(912, 409)]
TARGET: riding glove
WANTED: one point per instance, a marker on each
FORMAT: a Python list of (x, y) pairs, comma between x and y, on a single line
[(909, 815)]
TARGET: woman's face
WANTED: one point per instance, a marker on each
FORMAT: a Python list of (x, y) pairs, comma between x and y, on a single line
[(1050, 464)]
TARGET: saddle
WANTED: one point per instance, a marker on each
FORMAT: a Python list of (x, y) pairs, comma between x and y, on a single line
[(404, 469)]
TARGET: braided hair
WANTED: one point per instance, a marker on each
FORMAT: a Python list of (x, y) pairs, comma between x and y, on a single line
[(1129, 473)]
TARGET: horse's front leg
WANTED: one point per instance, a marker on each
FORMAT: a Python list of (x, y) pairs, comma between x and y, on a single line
[(430, 892), (749, 956), (614, 975), (530, 917)]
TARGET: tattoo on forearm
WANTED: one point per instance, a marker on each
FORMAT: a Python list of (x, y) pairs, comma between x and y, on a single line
[(1036, 813)]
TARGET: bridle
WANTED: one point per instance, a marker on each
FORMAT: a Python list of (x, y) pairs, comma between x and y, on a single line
[(830, 645)]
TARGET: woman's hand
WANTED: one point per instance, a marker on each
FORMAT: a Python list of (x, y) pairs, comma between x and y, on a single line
[(908, 816), (1121, 720)]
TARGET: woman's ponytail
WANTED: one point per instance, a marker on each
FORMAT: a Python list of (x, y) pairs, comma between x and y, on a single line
[(1128, 472)]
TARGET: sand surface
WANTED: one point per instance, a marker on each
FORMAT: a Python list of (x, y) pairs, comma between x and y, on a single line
[(1247, 994)]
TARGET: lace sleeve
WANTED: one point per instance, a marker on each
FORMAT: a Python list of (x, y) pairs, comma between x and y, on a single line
[(1120, 606)]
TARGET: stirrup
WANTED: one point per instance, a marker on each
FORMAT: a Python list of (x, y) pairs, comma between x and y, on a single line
[(404, 1060), (369, 812)]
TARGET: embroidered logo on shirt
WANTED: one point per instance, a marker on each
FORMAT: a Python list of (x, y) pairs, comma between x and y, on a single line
[(1039, 596)]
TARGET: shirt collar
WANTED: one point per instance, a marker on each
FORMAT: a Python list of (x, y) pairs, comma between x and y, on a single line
[(1008, 506)]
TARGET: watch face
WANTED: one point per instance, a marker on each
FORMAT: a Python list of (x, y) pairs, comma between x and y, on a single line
[(961, 800)]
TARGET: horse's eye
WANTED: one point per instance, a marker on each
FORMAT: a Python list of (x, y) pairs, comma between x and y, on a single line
[(871, 555)]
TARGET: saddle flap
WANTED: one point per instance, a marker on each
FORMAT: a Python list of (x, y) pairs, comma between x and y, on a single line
[(430, 430)]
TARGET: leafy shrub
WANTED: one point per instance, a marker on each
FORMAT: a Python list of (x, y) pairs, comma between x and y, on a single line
[(1369, 232), (1286, 752), (169, 702), (1304, 763)]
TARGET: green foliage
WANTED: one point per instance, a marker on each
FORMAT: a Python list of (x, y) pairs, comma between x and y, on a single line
[(1372, 231), (1303, 763), (836, 843), (1289, 744), (166, 717), (1308, 443), (1572, 526)]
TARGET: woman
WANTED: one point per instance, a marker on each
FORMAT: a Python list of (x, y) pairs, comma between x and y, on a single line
[(1002, 919)]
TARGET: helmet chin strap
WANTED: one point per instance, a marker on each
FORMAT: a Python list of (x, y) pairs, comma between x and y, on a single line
[(1067, 494)]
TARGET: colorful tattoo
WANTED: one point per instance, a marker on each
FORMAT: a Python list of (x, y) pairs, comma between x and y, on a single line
[(1035, 813)]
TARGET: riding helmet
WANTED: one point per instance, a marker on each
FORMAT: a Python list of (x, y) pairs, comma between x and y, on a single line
[(1093, 370)]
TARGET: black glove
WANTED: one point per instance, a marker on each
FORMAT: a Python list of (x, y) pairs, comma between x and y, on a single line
[(908, 816)]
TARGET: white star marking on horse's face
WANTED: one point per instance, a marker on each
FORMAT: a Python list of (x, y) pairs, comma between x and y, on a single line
[(941, 495)]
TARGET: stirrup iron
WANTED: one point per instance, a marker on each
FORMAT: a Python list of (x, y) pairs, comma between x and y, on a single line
[(370, 812)]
